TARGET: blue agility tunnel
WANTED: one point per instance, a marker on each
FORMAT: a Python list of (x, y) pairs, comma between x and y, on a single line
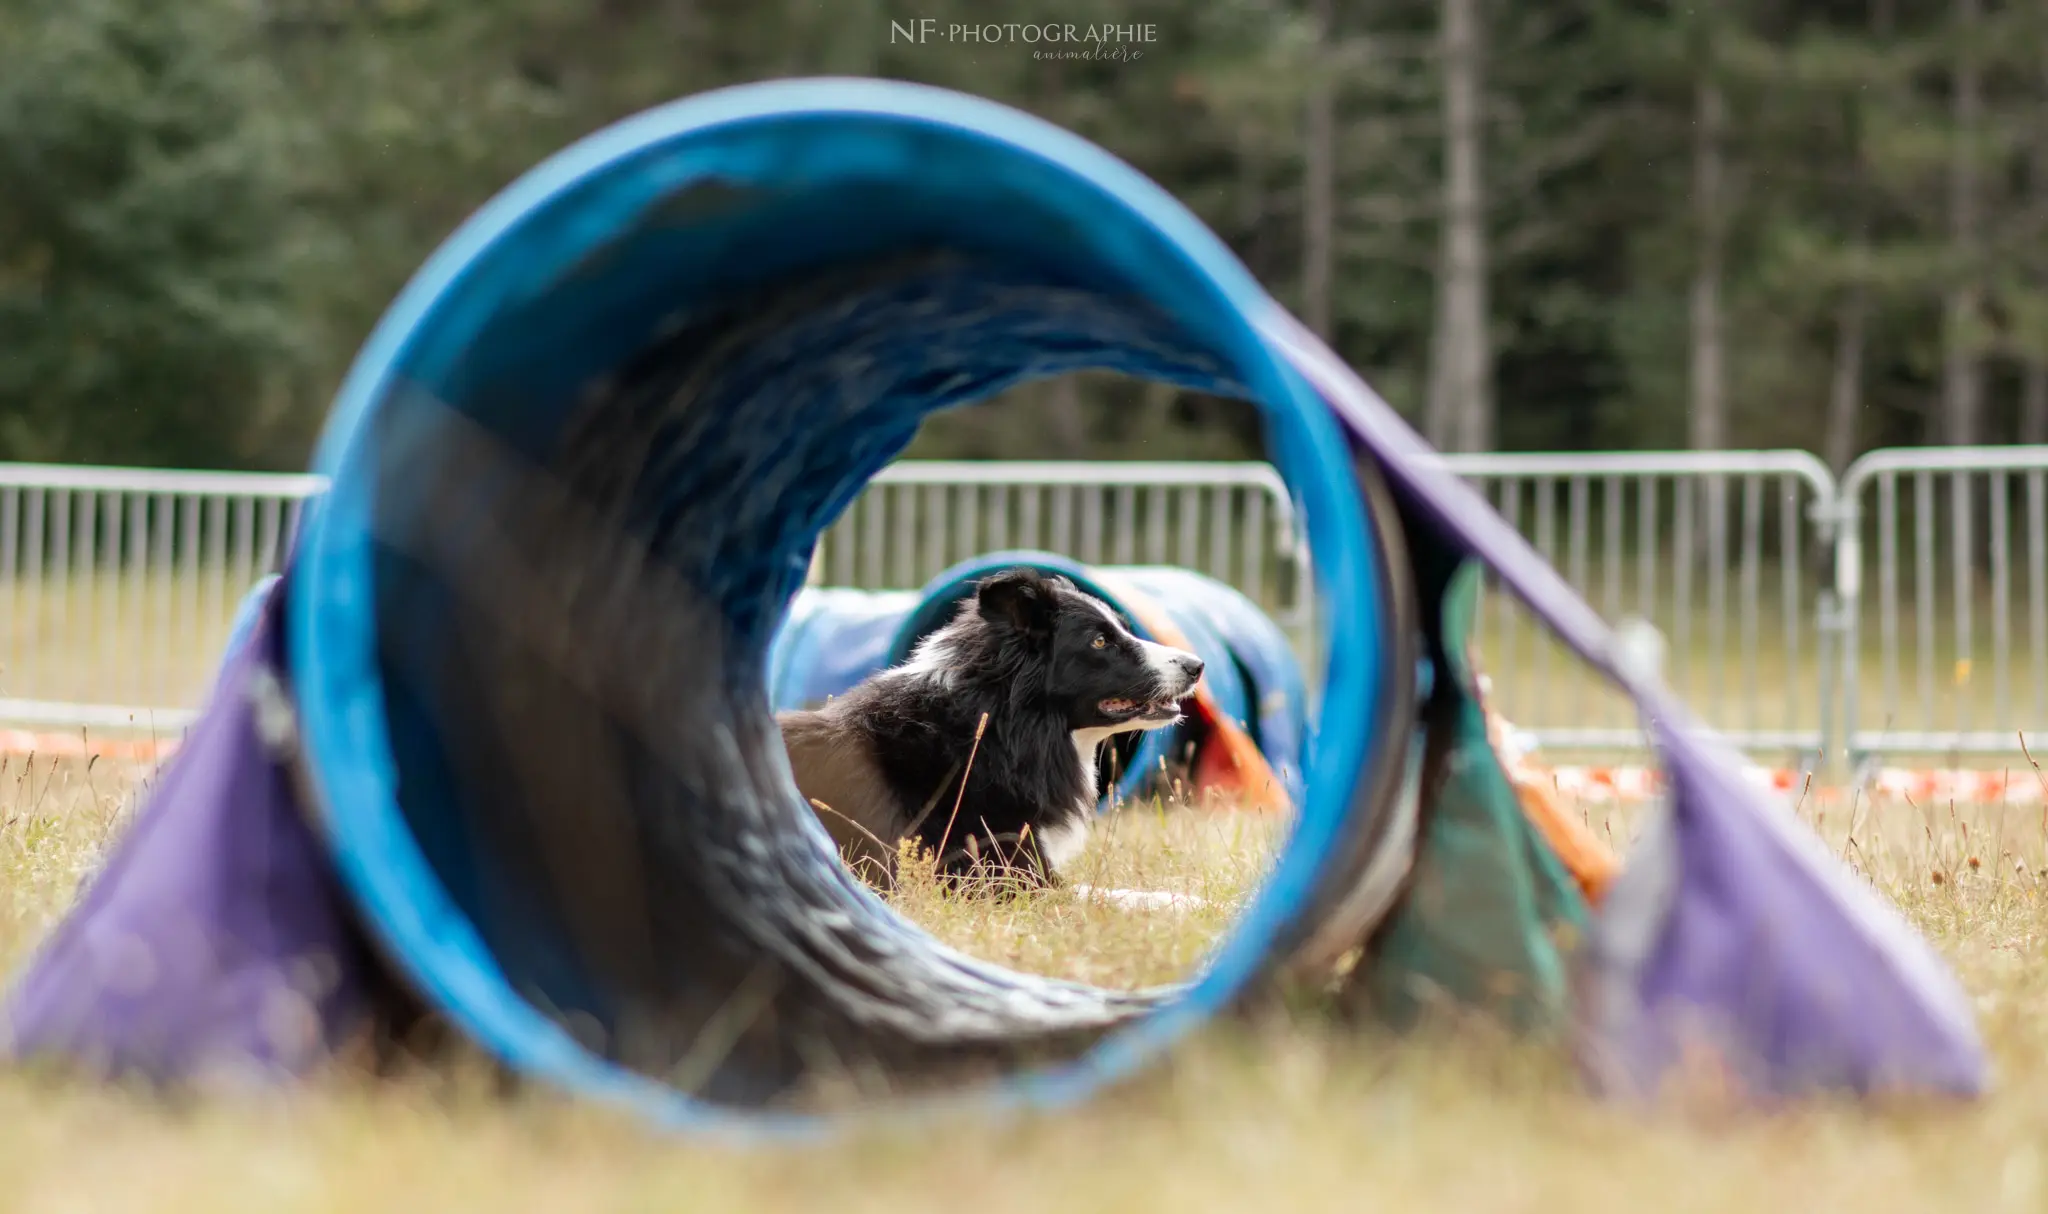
[(836, 637), (832, 639), (499, 748)]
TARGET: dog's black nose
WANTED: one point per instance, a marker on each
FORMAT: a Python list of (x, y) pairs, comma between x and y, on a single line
[(1193, 665)]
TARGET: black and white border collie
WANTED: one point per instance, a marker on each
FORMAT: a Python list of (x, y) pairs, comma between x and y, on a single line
[(1057, 673)]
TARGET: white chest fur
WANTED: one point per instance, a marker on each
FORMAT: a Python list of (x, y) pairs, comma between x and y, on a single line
[(1063, 843)]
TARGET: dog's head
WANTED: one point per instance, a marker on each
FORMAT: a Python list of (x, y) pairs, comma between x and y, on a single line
[(1095, 670)]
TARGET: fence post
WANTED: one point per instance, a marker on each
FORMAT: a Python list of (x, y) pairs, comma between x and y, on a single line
[(1307, 625), (1836, 520), (1849, 601)]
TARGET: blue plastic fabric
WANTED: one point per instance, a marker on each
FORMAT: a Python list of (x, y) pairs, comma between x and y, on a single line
[(635, 231), (831, 640)]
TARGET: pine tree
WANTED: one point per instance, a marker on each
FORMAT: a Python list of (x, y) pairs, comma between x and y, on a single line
[(147, 233)]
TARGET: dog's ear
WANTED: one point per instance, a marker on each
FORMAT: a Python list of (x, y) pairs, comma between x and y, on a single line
[(1019, 598)]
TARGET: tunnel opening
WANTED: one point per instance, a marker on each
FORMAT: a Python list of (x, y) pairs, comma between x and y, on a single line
[(578, 478)]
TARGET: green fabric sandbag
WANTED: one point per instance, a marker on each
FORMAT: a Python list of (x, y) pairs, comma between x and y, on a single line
[(1489, 909)]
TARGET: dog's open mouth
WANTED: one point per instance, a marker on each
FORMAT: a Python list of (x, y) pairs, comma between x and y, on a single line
[(1140, 710)]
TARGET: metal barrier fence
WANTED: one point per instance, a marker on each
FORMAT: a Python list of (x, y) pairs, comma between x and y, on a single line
[(1944, 653), (117, 585), (1957, 537), (1712, 548), (1233, 521)]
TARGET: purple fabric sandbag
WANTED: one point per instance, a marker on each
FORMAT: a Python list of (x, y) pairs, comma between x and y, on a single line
[(1732, 936), (215, 943)]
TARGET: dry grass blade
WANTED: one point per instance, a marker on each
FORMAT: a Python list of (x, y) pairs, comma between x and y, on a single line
[(980, 728)]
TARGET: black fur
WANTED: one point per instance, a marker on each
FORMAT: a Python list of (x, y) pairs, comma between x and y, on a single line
[(1042, 660)]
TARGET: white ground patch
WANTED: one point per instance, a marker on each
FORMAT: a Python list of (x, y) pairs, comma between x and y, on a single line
[(1141, 899)]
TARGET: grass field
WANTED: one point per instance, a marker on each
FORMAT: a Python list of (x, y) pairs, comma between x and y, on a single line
[(1287, 1117)]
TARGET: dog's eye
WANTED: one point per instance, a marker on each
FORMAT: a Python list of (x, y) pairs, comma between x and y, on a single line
[(1100, 642)]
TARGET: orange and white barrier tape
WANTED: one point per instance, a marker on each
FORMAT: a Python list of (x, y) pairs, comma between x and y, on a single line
[(1597, 785), (85, 745), (1635, 784)]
